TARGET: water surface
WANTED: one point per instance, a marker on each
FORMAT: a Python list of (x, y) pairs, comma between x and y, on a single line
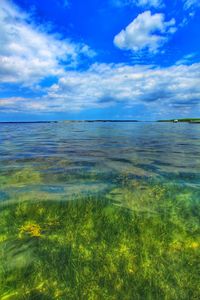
[(99, 211)]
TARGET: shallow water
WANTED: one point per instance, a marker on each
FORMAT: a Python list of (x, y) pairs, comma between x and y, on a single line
[(99, 211)]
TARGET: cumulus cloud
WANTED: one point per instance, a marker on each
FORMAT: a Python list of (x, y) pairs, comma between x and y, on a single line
[(28, 53), (147, 31), (105, 85)]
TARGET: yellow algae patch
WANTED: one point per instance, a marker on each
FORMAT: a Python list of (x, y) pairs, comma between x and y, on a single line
[(3, 238), (30, 229), (124, 250), (193, 245), (182, 246)]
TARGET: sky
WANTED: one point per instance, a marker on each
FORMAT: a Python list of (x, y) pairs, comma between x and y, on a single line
[(99, 59)]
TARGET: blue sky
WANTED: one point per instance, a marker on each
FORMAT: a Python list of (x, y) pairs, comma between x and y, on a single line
[(92, 59)]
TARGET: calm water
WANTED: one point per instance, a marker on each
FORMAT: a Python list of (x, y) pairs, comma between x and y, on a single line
[(99, 211)]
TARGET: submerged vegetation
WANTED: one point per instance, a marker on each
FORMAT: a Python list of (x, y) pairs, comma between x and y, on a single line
[(96, 211), (139, 239)]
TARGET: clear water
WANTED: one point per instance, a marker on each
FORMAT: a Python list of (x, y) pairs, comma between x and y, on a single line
[(99, 211)]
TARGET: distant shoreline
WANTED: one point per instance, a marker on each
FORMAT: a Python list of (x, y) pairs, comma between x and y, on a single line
[(187, 120), (192, 120), (73, 121)]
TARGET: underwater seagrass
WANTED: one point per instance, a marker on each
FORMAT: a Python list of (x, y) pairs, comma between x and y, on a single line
[(70, 229), (136, 240)]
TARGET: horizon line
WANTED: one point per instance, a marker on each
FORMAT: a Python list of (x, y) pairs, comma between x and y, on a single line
[(99, 120)]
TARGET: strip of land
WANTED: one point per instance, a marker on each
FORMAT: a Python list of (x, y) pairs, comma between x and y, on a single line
[(196, 120)]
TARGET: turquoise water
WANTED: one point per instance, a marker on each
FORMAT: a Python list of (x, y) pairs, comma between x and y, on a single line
[(99, 211)]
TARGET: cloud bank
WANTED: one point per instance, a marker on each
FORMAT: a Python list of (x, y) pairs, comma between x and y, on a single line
[(28, 53), (106, 85)]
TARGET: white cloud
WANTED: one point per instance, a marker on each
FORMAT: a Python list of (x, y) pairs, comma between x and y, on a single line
[(175, 88), (187, 59), (191, 4), (28, 53), (149, 3), (147, 31), (139, 3), (187, 4), (104, 85)]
